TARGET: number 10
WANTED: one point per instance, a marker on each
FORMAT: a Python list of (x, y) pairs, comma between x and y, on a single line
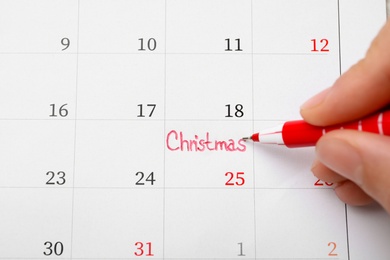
[(151, 44)]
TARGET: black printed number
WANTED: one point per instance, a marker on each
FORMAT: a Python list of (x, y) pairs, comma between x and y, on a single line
[(237, 111), (149, 107), (142, 180), (56, 248), (236, 43), (241, 247), (147, 44), (66, 43), (55, 178), (60, 111)]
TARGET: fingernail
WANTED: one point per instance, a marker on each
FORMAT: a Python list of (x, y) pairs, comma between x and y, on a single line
[(316, 100), (341, 157)]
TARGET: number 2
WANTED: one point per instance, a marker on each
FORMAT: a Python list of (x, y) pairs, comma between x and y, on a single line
[(333, 246)]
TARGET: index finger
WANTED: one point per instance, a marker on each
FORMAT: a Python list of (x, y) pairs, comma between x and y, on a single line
[(363, 89)]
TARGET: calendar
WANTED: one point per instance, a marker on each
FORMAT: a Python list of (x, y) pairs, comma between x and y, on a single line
[(121, 125)]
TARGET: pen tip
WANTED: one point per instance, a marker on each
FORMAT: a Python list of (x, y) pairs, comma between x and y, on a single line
[(246, 138)]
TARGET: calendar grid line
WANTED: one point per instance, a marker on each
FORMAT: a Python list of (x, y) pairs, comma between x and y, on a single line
[(163, 54), (347, 230), (339, 36), (75, 132), (165, 131), (253, 130), (151, 120), (169, 188), (179, 258), (340, 72)]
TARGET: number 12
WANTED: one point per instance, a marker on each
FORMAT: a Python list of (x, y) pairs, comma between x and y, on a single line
[(324, 43)]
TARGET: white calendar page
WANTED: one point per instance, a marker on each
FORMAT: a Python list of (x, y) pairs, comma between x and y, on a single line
[(120, 127)]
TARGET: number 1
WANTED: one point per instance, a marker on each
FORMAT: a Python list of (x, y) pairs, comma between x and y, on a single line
[(241, 249)]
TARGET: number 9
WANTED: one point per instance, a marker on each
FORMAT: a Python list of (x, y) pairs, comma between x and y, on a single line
[(65, 42)]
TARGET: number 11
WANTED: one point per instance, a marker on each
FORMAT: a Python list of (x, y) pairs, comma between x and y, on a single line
[(238, 45)]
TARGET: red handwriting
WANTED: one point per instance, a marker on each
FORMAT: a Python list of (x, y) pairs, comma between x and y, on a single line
[(176, 141)]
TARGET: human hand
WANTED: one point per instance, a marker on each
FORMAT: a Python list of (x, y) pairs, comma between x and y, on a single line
[(357, 163)]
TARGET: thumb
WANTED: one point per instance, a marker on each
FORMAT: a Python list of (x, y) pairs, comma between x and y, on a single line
[(363, 158)]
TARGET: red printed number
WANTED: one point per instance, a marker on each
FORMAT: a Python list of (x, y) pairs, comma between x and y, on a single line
[(320, 46), (143, 249), (333, 246), (235, 179), (321, 183)]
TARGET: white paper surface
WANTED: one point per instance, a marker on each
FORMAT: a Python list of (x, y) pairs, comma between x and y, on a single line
[(120, 127)]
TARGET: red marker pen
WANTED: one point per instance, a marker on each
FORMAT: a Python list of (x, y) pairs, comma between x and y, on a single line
[(300, 134)]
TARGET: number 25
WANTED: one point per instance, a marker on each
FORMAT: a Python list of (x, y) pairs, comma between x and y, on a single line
[(238, 176)]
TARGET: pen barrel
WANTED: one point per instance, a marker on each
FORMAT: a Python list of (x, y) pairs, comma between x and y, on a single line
[(300, 134)]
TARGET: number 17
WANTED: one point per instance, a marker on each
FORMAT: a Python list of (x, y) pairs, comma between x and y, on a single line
[(141, 114)]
